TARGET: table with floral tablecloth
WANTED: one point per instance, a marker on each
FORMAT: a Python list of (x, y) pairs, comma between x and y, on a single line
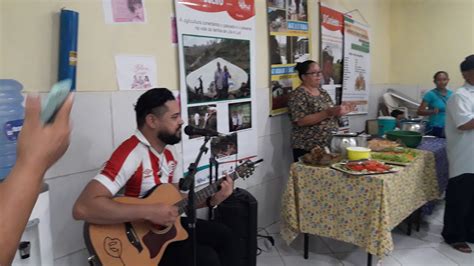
[(361, 210)]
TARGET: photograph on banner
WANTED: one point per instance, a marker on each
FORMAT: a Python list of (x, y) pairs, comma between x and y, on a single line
[(297, 10), (224, 146), (356, 65), (124, 11), (136, 72), (281, 87), (331, 63), (288, 44), (286, 49), (240, 116), (332, 45), (277, 20), (216, 68), (285, 52), (287, 16), (204, 116), (281, 4)]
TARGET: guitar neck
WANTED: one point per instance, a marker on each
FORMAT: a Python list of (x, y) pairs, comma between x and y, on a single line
[(204, 193)]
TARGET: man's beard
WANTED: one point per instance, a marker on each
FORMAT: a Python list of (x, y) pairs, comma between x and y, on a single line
[(168, 138)]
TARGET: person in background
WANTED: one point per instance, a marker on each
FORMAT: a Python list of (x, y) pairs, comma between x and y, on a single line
[(240, 119), (39, 147), (399, 115), (219, 80), (140, 163), (234, 119), (197, 119), (459, 212), (434, 104), (312, 112), (225, 84), (210, 120)]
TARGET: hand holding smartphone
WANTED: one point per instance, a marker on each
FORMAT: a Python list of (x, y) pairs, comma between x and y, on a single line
[(55, 100)]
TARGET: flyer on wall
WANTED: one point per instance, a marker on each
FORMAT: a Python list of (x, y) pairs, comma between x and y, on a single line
[(356, 65), (216, 41), (332, 45), (136, 72), (288, 44)]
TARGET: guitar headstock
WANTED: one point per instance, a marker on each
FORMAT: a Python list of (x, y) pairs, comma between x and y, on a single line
[(247, 168)]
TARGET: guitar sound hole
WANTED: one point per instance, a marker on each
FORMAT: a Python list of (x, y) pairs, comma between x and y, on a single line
[(159, 227)]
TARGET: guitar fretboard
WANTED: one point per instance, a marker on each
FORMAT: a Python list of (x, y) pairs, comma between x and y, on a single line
[(204, 193)]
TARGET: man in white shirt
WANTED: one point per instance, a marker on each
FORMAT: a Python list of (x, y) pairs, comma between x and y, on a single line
[(459, 213)]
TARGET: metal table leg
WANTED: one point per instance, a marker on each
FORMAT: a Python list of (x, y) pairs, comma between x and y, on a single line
[(306, 245)]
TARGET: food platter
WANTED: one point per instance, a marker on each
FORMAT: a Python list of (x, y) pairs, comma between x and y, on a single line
[(319, 157), (382, 144), (321, 163), (396, 156), (365, 167)]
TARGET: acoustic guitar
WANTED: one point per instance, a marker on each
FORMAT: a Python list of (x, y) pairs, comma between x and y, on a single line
[(141, 242)]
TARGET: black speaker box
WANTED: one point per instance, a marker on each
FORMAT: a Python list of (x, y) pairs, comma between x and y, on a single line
[(239, 213)]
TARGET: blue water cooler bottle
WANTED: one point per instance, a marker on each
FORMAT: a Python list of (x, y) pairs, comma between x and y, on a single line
[(11, 121)]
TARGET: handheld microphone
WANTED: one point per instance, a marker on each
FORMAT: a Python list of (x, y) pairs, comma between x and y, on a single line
[(192, 131)]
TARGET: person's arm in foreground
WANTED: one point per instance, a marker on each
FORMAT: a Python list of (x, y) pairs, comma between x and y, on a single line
[(39, 147)]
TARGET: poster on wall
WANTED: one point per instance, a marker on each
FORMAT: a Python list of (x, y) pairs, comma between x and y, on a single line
[(216, 41), (356, 65), (331, 56), (124, 11), (136, 72), (288, 44)]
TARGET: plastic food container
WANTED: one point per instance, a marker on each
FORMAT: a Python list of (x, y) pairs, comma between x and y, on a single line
[(358, 153)]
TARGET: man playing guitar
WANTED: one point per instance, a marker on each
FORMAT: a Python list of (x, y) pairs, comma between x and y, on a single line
[(140, 163)]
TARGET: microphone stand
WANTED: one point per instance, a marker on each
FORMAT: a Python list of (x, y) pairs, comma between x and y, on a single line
[(187, 183), (213, 163)]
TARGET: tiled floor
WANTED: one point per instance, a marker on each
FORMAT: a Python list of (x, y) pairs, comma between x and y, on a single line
[(421, 248)]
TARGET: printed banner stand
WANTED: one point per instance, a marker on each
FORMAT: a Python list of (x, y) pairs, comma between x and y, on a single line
[(216, 43)]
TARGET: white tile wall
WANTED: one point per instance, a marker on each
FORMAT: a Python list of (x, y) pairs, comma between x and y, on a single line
[(91, 142), (123, 114), (67, 233)]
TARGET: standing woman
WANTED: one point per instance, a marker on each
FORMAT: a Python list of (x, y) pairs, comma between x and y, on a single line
[(312, 112), (434, 104)]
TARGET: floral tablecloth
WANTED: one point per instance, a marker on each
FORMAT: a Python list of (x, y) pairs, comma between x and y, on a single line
[(361, 210)]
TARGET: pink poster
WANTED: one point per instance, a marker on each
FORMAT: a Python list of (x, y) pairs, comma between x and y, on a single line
[(124, 11)]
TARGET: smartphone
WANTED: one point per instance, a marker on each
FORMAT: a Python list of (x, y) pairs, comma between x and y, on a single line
[(55, 100)]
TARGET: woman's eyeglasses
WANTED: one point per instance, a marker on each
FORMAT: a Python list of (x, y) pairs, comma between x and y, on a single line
[(314, 74)]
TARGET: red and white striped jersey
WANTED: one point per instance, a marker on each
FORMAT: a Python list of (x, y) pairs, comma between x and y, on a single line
[(139, 167)]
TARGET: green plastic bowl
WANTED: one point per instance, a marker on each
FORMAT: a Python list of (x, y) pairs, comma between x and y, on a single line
[(410, 138)]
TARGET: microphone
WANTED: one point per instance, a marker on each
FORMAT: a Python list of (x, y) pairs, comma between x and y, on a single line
[(192, 131)]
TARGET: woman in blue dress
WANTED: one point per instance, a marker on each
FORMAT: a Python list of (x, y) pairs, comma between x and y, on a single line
[(434, 104)]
